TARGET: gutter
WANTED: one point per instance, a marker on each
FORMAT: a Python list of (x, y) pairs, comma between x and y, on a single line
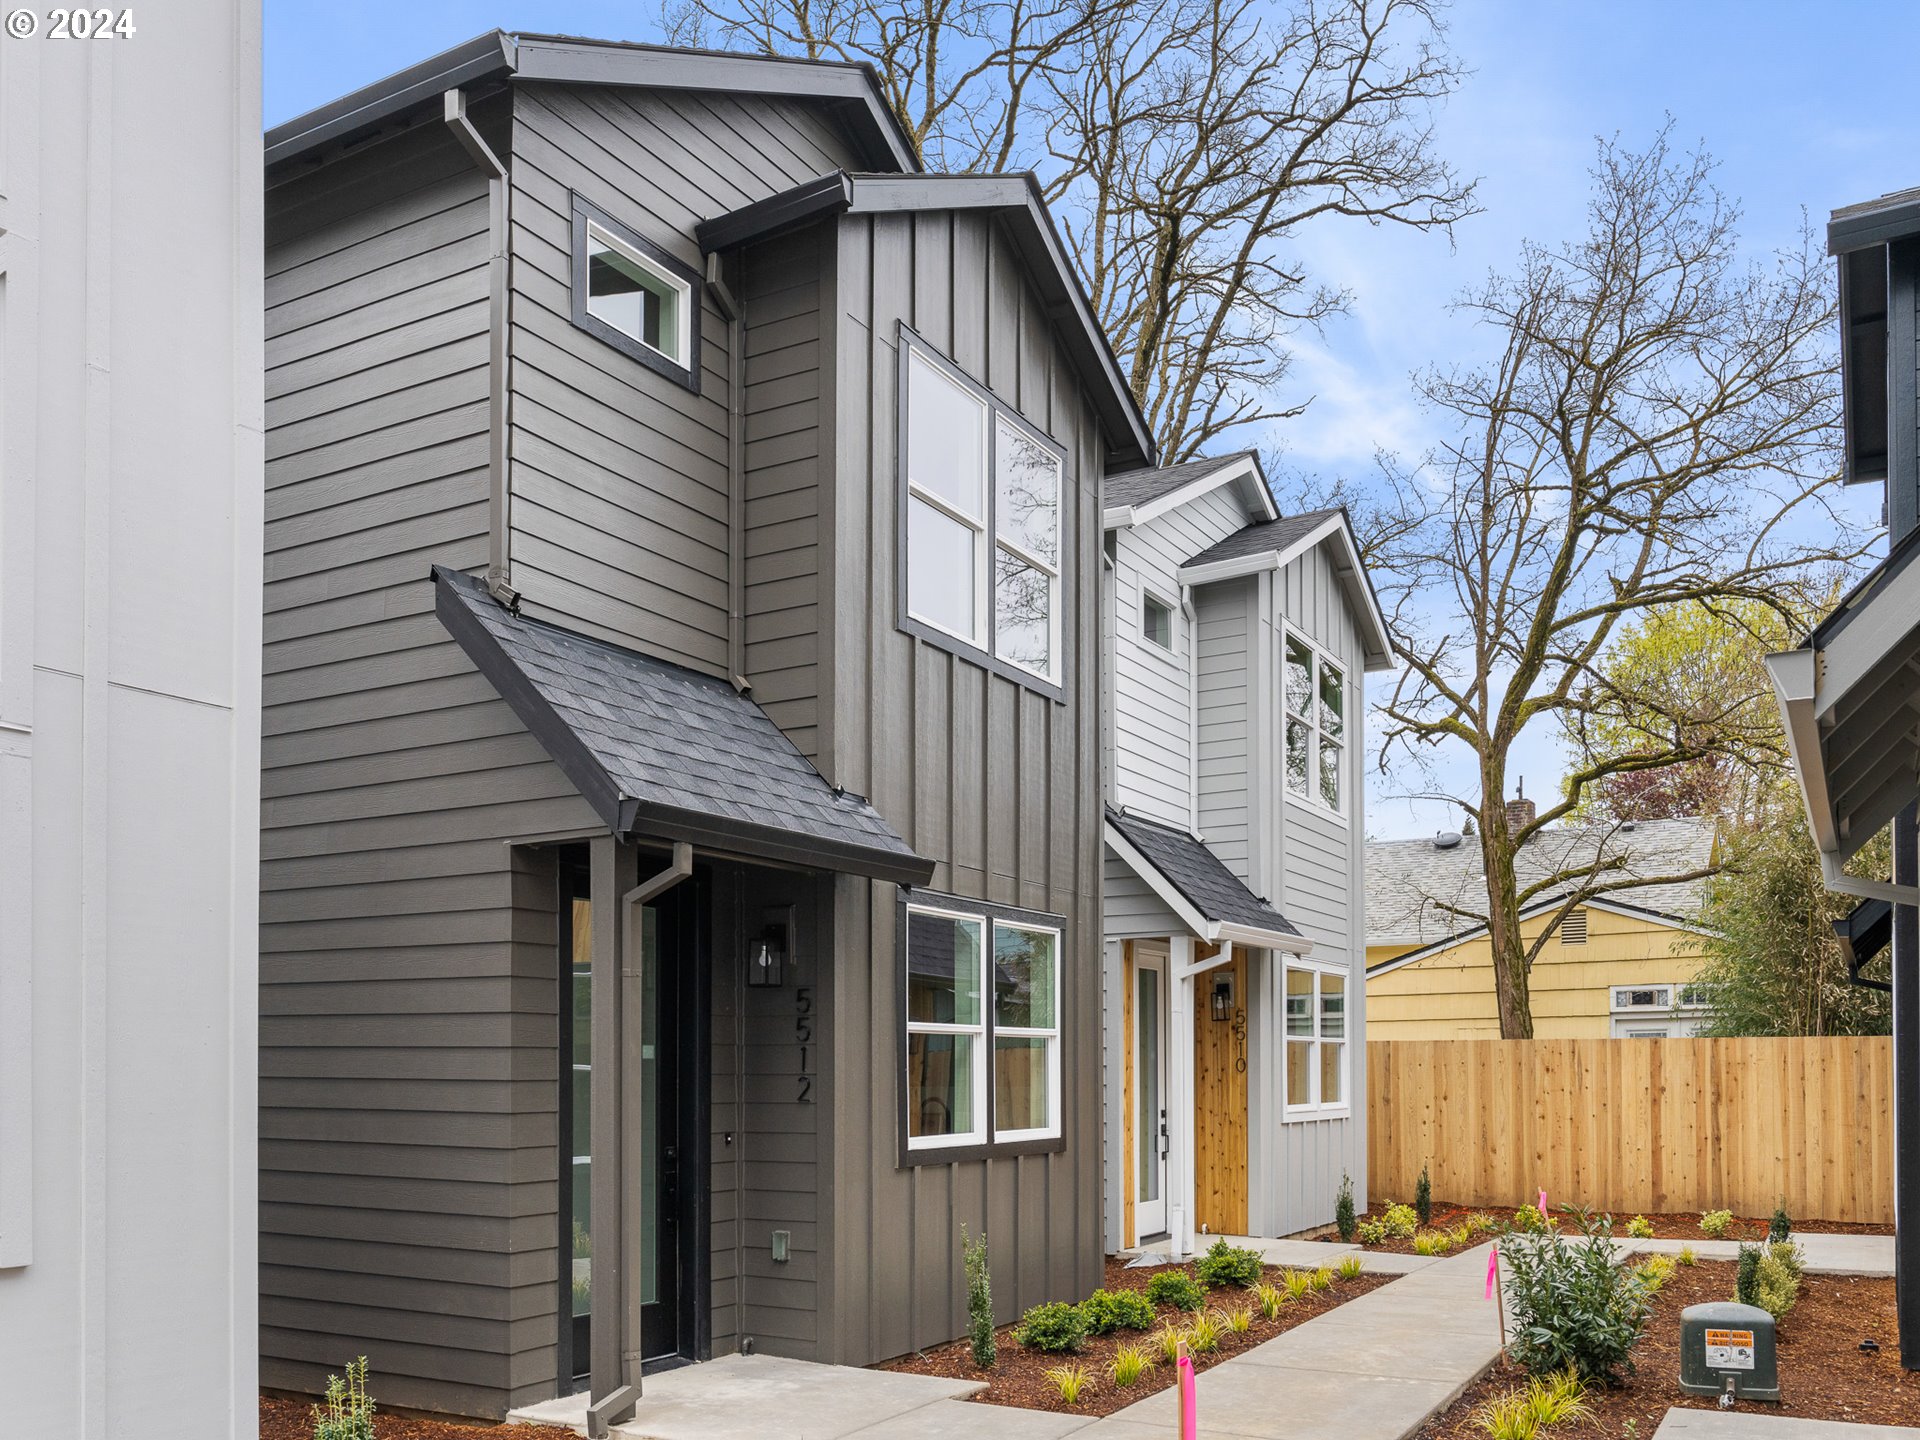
[(499, 198)]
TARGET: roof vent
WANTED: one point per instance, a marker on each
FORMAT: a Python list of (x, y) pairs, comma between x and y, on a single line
[(1626, 826), (1446, 839)]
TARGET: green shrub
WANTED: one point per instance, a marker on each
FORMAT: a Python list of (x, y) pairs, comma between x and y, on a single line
[(1176, 1288), (1640, 1228), (1169, 1340), (1240, 1319), (1655, 1271), (1130, 1362), (1507, 1417), (1321, 1279), (1460, 1234), (1780, 1227), (1789, 1255), (1432, 1242), (1297, 1284), (1401, 1221), (1573, 1304), (348, 1411), (1223, 1264), (1371, 1232), (1479, 1223), (1423, 1198), (979, 1299), (1746, 1277), (1203, 1334), (1556, 1398), (1343, 1220), (1054, 1327), (1687, 1256), (1069, 1380), (1775, 1285), (1716, 1223), (1350, 1267), (1531, 1220), (1269, 1298), (1108, 1310)]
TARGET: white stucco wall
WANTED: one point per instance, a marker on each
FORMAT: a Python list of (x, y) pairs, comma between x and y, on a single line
[(130, 575)]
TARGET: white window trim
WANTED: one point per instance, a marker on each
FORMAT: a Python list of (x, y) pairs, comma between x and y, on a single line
[(982, 1031), (1170, 650), (984, 1133), (985, 644), (1313, 797), (1312, 1110), (683, 312)]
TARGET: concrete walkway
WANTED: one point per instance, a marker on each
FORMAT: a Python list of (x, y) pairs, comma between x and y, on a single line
[(1825, 1254), (1751, 1423)]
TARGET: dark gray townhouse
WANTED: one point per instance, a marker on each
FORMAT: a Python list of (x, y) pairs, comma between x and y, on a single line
[(1850, 695), (682, 813)]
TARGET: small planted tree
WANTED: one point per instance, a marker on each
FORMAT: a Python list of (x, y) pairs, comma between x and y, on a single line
[(1780, 1227), (348, 1411), (979, 1299), (1423, 1197), (1574, 1304), (1343, 1217)]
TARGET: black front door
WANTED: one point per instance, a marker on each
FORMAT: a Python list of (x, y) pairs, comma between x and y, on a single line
[(672, 937)]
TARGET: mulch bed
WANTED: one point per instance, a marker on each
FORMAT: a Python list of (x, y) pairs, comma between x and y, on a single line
[(1018, 1376), (1824, 1375), (284, 1419), (1665, 1227)]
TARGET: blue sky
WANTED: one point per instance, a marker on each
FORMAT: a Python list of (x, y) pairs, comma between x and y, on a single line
[(1798, 102)]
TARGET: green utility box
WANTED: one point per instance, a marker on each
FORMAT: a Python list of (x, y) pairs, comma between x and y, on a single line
[(1724, 1341)]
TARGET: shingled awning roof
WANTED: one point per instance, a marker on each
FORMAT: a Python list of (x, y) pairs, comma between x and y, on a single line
[(1214, 902), (665, 753)]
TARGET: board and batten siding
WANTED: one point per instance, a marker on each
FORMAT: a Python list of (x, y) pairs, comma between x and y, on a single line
[(997, 784), (619, 488), (1297, 1164), (408, 1096), (1153, 692)]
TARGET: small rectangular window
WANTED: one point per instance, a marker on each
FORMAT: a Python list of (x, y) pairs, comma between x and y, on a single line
[(1156, 621), (636, 297)]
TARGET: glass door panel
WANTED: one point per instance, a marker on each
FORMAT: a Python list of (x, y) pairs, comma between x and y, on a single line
[(1150, 1114)]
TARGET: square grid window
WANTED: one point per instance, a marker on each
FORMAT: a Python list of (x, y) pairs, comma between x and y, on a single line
[(982, 551), (1156, 621), (1315, 742), (982, 1029), (1316, 1040)]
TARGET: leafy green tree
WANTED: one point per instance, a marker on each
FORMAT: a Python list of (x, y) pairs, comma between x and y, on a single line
[(1773, 966)]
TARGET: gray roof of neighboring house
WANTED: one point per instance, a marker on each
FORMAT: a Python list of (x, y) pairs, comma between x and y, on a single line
[(667, 753), (1137, 487), (498, 57), (1016, 201), (1262, 536), (1198, 874), (1406, 877)]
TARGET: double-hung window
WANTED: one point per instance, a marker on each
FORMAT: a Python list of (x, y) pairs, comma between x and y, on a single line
[(982, 1026), (1315, 744), (1316, 1040), (982, 535)]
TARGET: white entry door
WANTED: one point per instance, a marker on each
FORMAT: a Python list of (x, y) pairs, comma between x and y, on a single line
[(1149, 1092)]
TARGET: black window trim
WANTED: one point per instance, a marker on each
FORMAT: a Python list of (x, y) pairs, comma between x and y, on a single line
[(585, 212), (987, 910), (910, 342)]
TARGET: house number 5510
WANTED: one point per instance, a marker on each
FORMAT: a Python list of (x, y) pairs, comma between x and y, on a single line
[(803, 1032)]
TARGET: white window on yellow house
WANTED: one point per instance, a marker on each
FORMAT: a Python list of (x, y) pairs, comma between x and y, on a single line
[(1317, 1049)]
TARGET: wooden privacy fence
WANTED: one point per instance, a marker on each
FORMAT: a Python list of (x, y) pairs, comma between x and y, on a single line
[(1638, 1126)]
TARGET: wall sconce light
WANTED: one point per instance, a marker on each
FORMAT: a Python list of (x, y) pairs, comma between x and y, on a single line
[(767, 952), (1223, 998)]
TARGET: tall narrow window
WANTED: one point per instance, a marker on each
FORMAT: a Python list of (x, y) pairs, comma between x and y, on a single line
[(946, 1028), (982, 544), (1315, 703), (1026, 1031), (1316, 1040)]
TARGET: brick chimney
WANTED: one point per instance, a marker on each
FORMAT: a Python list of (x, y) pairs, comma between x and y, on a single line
[(1520, 810)]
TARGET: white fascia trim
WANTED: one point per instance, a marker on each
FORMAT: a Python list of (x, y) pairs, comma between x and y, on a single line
[(1794, 675), (1598, 902), (1198, 925), (1244, 467), (1877, 625)]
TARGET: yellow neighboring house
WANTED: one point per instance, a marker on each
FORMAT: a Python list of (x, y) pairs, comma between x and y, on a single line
[(1621, 965)]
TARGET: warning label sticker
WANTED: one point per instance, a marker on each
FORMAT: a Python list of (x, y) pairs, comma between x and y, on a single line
[(1730, 1349)]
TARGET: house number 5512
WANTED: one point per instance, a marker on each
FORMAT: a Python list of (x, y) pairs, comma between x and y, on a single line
[(803, 1032)]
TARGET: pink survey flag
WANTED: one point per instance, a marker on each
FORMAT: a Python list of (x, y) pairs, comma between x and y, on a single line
[(1189, 1416), (1543, 1204), (1493, 1268)]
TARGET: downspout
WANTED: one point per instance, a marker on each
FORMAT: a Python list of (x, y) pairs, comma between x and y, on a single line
[(728, 305), (498, 201), (1190, 612), (618, 1405)]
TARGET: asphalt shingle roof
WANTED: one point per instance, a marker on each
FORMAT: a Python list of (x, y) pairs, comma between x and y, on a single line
[(1198, 874), (1406, 877), (1141, 487), (666, 752), (1262, 536)]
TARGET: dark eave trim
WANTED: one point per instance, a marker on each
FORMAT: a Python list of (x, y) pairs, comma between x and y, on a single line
[(1015, 198), (1874, 223), (763, 842), (1905, 552), (565, 60)]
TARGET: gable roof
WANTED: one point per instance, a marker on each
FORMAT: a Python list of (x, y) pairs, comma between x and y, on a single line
[(1275, 544), (1215, 903), (1406, 877), (1016, 201), (499, 57), (1140, 496), (666, 753)]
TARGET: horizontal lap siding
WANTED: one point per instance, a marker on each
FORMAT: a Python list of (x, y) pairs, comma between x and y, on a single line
[(620, 475), (998, 785), (408, 1091), (1225, 703)]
